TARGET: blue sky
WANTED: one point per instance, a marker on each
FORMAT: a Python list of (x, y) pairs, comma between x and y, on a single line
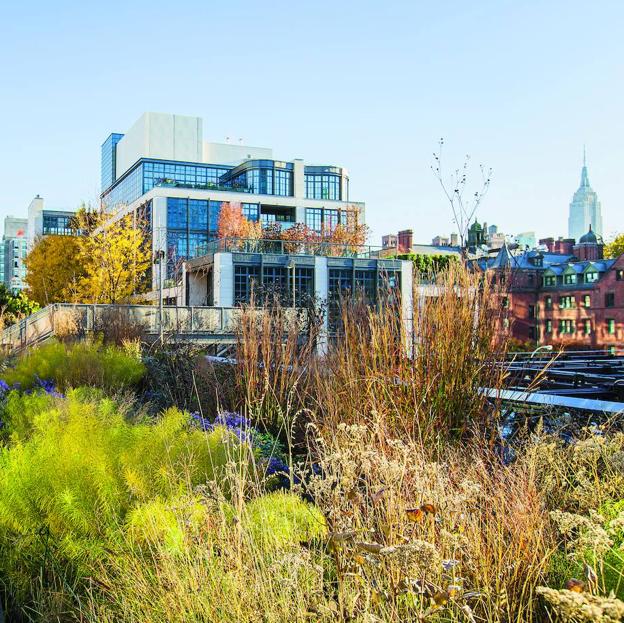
[(368, 85)]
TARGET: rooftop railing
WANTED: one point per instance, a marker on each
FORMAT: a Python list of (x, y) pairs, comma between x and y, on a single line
[(170, 183), (286, 247)]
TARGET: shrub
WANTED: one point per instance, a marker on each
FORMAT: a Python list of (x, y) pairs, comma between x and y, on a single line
[(18, 413), (71, 365), (280, 519), (66, 490)]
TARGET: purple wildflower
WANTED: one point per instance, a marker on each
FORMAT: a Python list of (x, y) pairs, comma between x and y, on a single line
[(275, 465)]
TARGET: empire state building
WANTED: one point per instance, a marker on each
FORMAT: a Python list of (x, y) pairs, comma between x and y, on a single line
[(584, 208)]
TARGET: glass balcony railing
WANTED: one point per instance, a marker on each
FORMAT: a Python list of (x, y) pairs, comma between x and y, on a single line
[(286, 247), (236, 188)]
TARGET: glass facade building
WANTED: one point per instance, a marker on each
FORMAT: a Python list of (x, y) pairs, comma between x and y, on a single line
[(262, 177), (148, 173), (109, 160), (191, 223)]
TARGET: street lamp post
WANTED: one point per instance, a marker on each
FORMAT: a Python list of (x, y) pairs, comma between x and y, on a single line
[(291, 265), (159, 256)]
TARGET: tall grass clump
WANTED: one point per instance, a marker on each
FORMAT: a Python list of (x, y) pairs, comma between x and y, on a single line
[(420, 376), (275, 348), (72, 365)]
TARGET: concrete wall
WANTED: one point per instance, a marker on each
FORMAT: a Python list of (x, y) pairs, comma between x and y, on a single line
[(223, 280), (226, 153), (160, 135), (35, 219), (407, 300), (298, 179)]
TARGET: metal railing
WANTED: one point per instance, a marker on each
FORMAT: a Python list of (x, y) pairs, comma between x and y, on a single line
[(82, 319), (171, 183), (285, 247)]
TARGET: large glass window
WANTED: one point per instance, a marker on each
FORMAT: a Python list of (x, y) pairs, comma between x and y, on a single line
[(263, 177), (304, 285), (177, 213), (366, 285), (325, 186), (57, 224), (325, 220), (246, 280), (314, 218), (191, 223), (178, 174), (274, 283), (251, 211)]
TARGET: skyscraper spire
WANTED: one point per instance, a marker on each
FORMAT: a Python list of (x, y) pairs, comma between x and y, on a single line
[(584, 175), (585, 208)]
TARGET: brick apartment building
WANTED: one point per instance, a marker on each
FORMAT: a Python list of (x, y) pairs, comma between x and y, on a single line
[(567, 295)]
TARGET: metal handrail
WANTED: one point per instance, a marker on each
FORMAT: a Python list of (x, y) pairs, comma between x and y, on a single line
[(186, 320), (285, 247)]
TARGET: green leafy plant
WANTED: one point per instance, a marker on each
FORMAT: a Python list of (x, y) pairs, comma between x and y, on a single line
[(71, 365)]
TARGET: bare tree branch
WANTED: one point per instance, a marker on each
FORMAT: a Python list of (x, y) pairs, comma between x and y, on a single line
[(454, 189)]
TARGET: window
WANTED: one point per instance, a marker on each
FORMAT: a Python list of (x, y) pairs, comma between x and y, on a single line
[(567, 302), (251, 211), (339, 282), (326, 186), (532, 333), (566, 327), (549, 326), (587, 326), (327, 219), (569, 279), (57, 224), (304, 285), (505, 302), (611, 326), (532, 311), (550, 281), (531, 279), (246, 279), (619, 274), (314, 218), (191, 223), (586, 300), (591, 277), (366, 285), (274, 283), (548, 304), (610, 299)]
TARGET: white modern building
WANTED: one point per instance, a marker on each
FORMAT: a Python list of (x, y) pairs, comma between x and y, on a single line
[(44, 221), (163, 170)]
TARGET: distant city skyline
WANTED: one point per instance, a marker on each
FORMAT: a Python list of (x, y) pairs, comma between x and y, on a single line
[(372, 90)]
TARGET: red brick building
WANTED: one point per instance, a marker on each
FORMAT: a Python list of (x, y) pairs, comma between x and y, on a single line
[(567, 295)]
